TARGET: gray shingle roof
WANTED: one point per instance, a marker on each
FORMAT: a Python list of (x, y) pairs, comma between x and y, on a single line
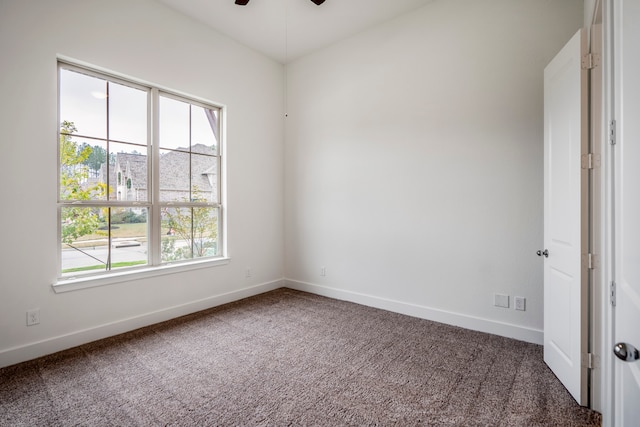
[(174, 173)]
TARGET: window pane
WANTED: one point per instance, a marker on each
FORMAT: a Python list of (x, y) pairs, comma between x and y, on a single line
[(174, 124), (174, 176), (82, 169), (189, 233), (204, 128), (129, 232), (128, 172), (127, 114), (204, 178), (205, 232), (176, 234), (84, 239), (83, 103), (86, 234)]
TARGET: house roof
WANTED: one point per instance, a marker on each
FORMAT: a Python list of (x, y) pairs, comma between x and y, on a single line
[(174, 170), (135, 165)]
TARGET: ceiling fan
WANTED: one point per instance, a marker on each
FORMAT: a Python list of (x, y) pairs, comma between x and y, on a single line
[(244, 2)]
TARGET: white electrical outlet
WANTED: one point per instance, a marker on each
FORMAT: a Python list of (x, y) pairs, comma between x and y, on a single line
[(323, 271), (520, 303), (501, 300), (247, 273), (33, 317)]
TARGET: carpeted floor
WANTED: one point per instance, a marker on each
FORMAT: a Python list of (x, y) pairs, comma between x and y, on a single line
[(291, 358)]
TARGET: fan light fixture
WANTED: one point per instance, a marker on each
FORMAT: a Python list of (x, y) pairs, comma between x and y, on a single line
[(244, 2)]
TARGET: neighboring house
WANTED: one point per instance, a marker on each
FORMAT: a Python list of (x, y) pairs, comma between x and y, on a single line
[(128, 175)]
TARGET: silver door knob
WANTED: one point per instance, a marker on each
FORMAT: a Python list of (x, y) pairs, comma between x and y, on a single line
[(626, 352), (545, 253)]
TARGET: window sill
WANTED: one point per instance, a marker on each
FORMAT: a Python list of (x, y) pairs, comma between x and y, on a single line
[(77, 283)]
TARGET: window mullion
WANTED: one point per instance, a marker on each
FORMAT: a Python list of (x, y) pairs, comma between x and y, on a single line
[(154, 177), (222, 172), (110, 239), (108, 181)]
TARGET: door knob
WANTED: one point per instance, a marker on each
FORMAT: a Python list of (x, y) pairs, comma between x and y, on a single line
[(545, 253), (626, 352)]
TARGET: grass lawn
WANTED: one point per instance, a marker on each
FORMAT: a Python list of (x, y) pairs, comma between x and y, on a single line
[(127, 231), (101, 267)]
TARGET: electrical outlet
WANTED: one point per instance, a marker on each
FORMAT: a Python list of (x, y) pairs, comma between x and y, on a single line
[(520, 303), (500, 300), (33, 317), (323, 271), (247, 273)]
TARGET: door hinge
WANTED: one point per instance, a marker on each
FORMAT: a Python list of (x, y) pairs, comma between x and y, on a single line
[(591, 161), (590, 60), (612, 132), (590, 361), (591, 261), (612, 294)]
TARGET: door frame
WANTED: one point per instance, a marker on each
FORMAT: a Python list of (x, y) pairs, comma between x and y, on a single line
[(612, 32), (596, 183), (593, 210), (605, 223)]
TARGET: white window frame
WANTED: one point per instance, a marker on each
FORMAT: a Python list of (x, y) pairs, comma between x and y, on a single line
[(155, 265)]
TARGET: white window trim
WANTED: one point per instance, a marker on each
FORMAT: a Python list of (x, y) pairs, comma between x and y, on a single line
[(154, 269), (120, 276)]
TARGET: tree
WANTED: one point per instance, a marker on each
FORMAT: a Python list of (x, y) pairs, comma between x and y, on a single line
[(193, 225), (74, 185), (96, 158)]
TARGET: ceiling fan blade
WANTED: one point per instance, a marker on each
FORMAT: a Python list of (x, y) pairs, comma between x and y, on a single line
[(244, 2)]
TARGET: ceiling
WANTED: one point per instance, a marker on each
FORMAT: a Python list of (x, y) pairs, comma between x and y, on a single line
[(288, 29)]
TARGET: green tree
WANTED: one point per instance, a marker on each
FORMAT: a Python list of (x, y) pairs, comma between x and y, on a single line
[(74, 185), (193, 225), (96, 158)]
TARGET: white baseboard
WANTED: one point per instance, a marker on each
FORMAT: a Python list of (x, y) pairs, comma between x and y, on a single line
[(51, 345), (508, 330), (30, 351)]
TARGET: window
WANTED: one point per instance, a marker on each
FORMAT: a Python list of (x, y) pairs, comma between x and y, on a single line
[(139, 175)]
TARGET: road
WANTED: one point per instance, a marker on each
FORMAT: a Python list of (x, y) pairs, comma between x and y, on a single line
[(72, 258)]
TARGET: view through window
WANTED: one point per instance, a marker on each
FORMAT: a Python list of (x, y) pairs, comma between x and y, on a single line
[(129, 196)]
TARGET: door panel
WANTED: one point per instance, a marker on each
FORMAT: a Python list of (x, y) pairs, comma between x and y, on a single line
[(627, 208), (565, 139)]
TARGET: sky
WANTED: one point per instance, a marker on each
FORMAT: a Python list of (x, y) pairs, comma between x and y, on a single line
[(84, 101)]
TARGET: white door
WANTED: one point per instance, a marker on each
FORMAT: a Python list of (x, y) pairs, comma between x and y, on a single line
[(564, 135), (627, 213)]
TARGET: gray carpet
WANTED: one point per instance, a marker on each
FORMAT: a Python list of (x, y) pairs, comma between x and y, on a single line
[(291, 358)]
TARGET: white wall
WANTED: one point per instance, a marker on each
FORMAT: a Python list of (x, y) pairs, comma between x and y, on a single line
[(414, 162), (147, 41)]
